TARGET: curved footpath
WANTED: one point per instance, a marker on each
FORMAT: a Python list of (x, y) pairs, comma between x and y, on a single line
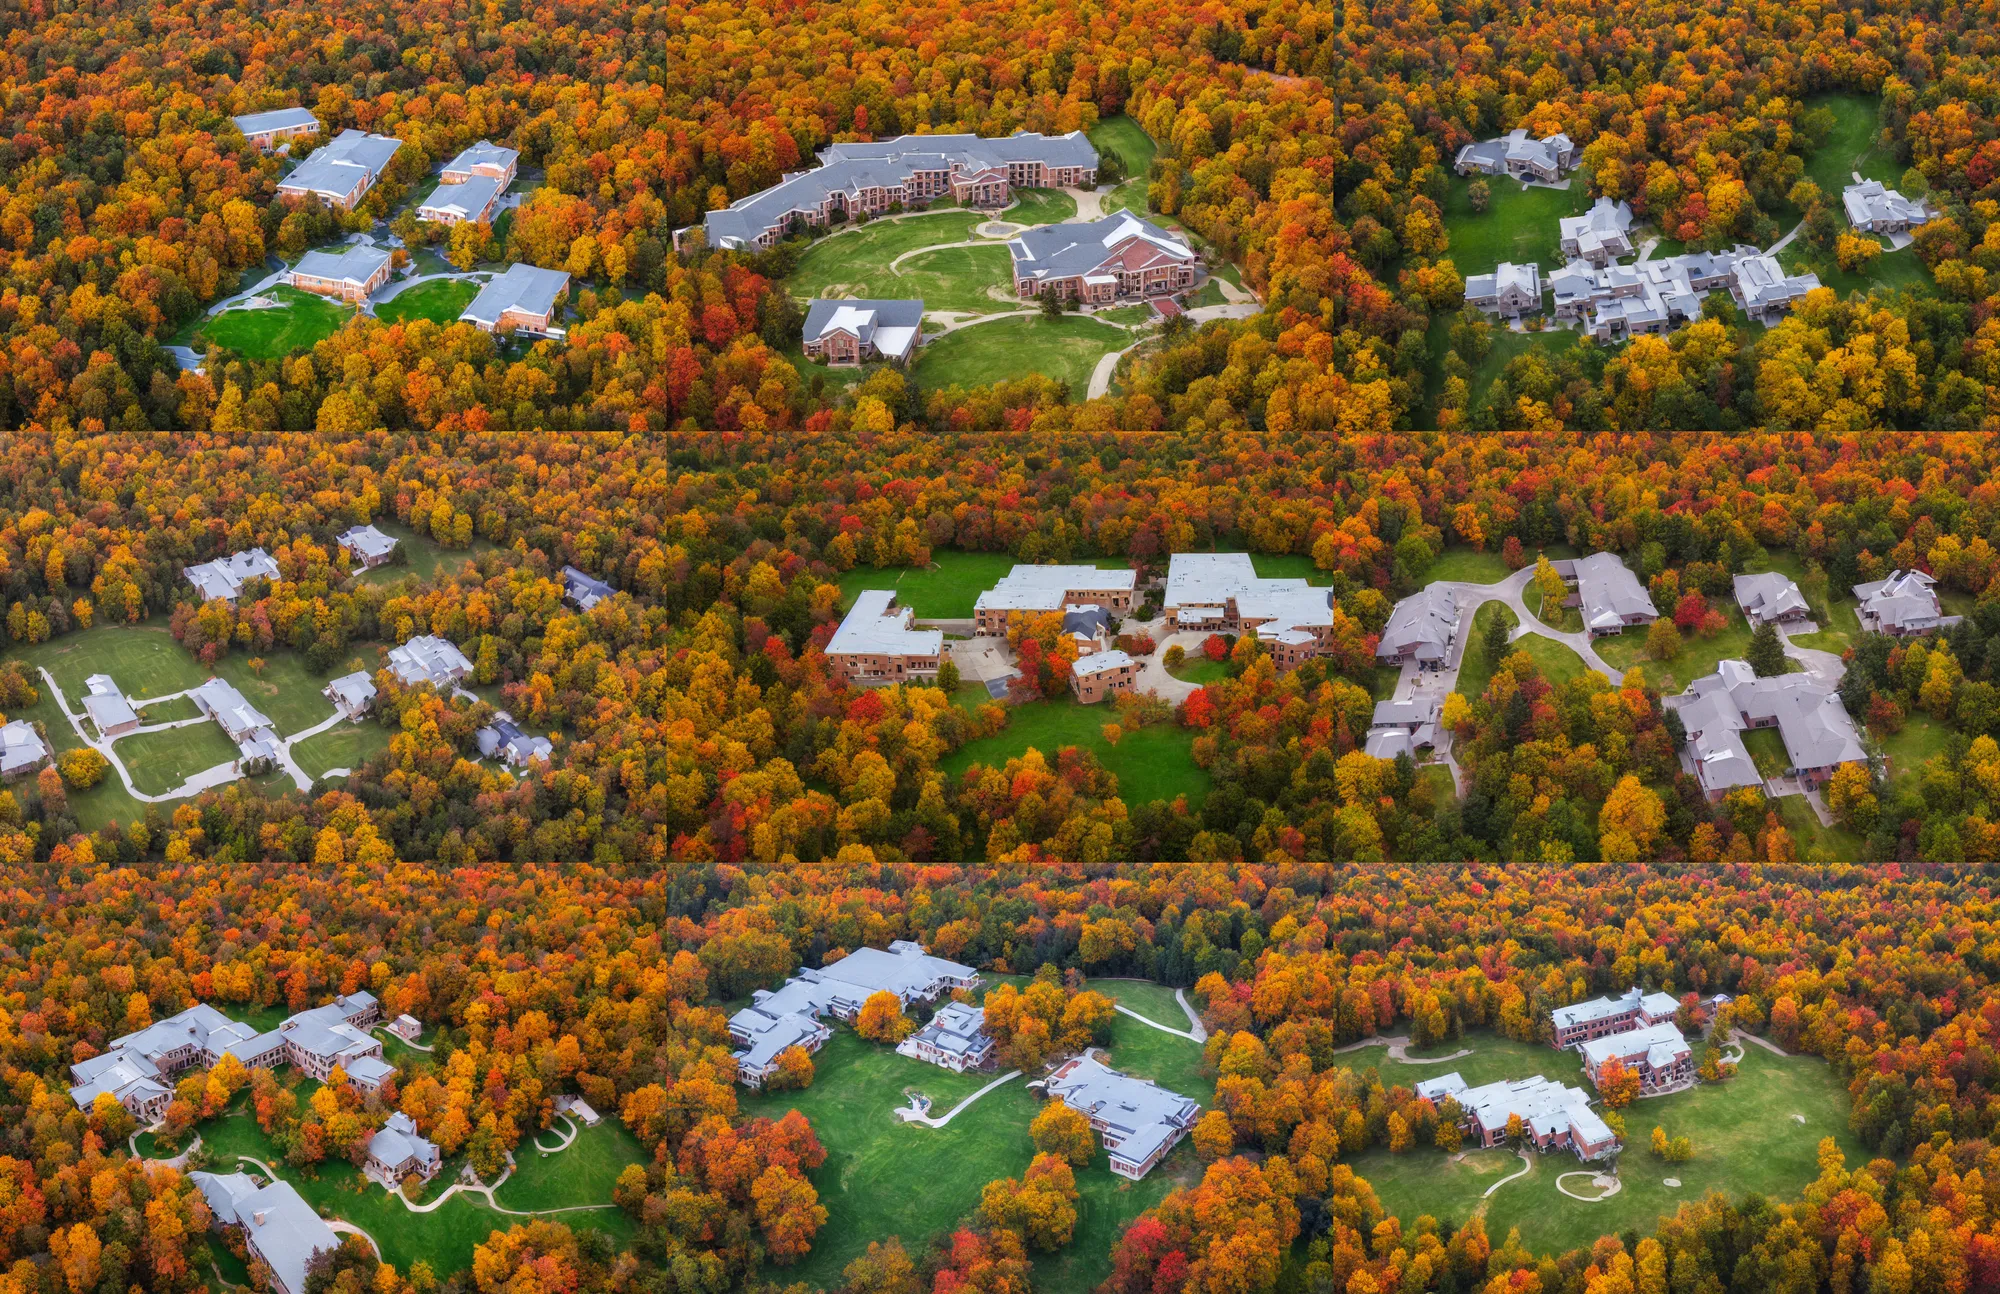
[(908, 1115)]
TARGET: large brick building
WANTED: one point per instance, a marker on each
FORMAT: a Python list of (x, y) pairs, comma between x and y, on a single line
[(876, 644), (1100, 261)]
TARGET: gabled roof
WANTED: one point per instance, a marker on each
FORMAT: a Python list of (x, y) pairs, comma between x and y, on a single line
[(892, 327), (225, 576), (366, 541), (356, 263), (337, 165), (1100, 662), (1904, 599), (1769, 595), (398, 1142), (467, 200), (1871, 200), (1609, 591), (1062, 251), (277, 1220), (585, 590), (428, 659), (1047, 588), (484, 153), (254, 123), (1717, 708), (354, 690), (1423, 623), (526, 288)]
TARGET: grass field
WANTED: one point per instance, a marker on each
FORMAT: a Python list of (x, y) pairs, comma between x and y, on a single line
[(1289, 566), (441, 301), (1200, 669), (422, 555), (286, 690), (952, 278), (1130, 195), (1767, 751), (1698, 655), (947, 588), (161, 761), (1855, 145), (145, 660), (1124, 139), (1759, 1133), (1889, 272), (1040, 207), (1811, 838), (1562, 618), (171, 710), (1468, 566), (584, 1173), (1921, 738), (304, 320), (1475, 671), (347, 745), (1837, 636), (1493, 1058), (1127, 315), (855, 261), (1519, 224), (1153, 763), (1066, 349), (1557, 663), (873, 1159)]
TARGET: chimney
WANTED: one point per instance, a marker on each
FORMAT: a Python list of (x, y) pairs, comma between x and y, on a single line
[(258, 1217)]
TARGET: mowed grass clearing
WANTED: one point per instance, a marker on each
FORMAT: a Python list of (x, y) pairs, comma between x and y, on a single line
[(1556, 663), (1518, 225), (1475, 671), (854, 262), (160, 761), (953, 278), (1154, 763), (1854, 145), (422, 556), (582, 1174), (441, 301), (346, 745), (1698, 655), (1040, 207), (1759, 1133), (1065, 349), (302, 321)]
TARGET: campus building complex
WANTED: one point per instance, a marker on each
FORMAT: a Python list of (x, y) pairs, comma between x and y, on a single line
[(955, 1038), (485, 158), (1139, 1120), (794, 1013), (1905, 603), (136, 1069), (1716, 710), (1043, 589), (845, 333), (1514, 154), (1551, 1115), (1657, 1053), (267, 130), (225, 577), (1222, 593), (1876, 209), (909, 172), (1580, 1022), (351, 274), (1614, 303), (1100, 261), (876, 645), (280, 1229), (471, 185), (342, 170)]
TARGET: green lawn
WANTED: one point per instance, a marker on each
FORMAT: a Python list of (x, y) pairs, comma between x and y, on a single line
[(1759, 1132), (1153, 763), (1493, 1058), (1209, 294), (1518, 225), (947, 588), (1908, 750), (1040, 207), (144, 659), (1468, 566), (1854, 146), (1838, 636), (161, 761), (1124, 139), (422, 555), (1767, 751), (171, 710), (302, 321), (854, 262), (285, 689), (583, 1173), (347, 745), (441, 301), (1475, 671), (1698, 656), (1130, 195), (1565, 619), (1557, 663), (1065, 349), (954, 278), (1816, 843), (1889, 272), (1200, 669), (1507, 346), (1127, 315), (1289, 566)]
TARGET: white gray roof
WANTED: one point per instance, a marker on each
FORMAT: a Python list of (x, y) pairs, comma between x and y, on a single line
[(1718, 708), (1099, 662), (254, 123), (1606, 223), (1544, 1106), (1609, 591), (105, 703), (398, 1141), (1046, 588), (1140, 1113), (1767, 595), (1523, 279), (225, 576), (337, 165), (276, 1218), (584, 590), (767, 1035), (505, 739), (1493, 154), (354, 690), (1664, 1036), (466, 200), (876, 625), (1905, 600), (366, 541), (523, 287), (355, 263), (957, 1029), (21, 746), (892, 327), (1871, 201), (1436, 1089), (1422, 624), (428, 659), (1061, 251), (888, 163), (484, 153), (219, 698)]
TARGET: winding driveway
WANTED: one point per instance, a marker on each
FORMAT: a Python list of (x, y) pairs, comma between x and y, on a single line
[(1473, 596), (207, 779), (1122, 1009), (908, 1115)]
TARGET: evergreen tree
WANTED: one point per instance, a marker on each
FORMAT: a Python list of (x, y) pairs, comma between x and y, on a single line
[(1494, 638), (1767, 652)]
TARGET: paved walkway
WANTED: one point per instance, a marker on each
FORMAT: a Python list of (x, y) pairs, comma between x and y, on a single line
[(178, 1161), (562, 1142), (1527, 1166), (1399, 1050), (1196, 1028), (1825, 667), (1737, 1035), (1786, 241), (390, 291), (1153, 676), (413, 1046), (207, 779), (1473, 596), (909, 1115), (285, 761), (1122, 1009), (1107, 367), (349, 1229)]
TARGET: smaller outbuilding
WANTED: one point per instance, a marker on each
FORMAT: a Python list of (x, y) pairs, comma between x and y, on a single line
[(107, 707), (845, 333)]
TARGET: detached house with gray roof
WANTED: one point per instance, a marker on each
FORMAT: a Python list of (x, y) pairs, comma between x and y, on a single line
[(1421, 628), (1510, 291), (1875, 208), (1717, 709), (1770, 598), (1608, 593), (584, 591), (1100, 261), (955, 1038), (1514, 154), (1138, 1120), (1600, 235), (269, 130), (1905, 603), (846, 333), (225, 577), (429, 659), (869, 178), (341, 171), (523, 300), (22, 750), (280, 1229), (368, 546), (397, 1151)]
